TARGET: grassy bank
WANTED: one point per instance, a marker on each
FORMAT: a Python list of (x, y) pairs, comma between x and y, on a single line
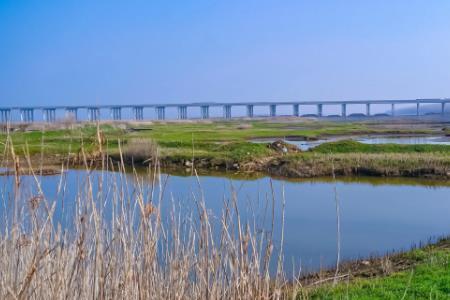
[(225, 146), (371, 164), (181, 138), (356, 147), (418, 274)]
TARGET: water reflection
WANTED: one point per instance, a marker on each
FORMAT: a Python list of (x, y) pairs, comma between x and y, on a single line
[(377, 215), (305, 145)]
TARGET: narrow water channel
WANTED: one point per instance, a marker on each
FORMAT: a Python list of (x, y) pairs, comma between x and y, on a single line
[(374, 139)]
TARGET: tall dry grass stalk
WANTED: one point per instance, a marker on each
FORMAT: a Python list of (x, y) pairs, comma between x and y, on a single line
[(134, 253), (140, 150)]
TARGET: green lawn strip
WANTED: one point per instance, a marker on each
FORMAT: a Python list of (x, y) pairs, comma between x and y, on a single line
[(429, 279), (349, 146)]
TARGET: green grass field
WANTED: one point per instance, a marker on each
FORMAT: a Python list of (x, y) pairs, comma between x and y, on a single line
[(209, 139), (356, 147), (429, 278)]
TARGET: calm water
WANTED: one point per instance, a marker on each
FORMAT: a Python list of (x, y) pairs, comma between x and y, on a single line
[(411, 140), (415, 140), (376, 215)]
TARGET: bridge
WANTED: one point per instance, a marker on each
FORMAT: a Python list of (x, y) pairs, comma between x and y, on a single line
[(114, 112)]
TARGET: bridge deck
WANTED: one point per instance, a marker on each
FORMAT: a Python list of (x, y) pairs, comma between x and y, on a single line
[(93, 111)]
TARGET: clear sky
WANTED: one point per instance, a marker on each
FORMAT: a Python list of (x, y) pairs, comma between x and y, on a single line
[(95, 52)]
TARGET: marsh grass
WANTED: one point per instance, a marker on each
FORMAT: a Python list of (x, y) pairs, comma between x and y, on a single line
[(313, 164), (140, 252), (140, 150)]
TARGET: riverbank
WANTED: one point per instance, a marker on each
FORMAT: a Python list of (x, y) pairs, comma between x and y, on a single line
[(224, 146), (421, 273)]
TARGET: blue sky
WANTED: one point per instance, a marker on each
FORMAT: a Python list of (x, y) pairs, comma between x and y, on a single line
[(97, 52)]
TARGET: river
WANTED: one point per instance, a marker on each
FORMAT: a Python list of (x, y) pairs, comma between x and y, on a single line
[(376, 215)]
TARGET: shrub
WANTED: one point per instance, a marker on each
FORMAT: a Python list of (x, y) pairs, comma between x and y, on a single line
[(140, 150)]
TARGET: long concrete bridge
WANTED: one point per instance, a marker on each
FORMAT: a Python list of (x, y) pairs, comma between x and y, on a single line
[(114, 112)]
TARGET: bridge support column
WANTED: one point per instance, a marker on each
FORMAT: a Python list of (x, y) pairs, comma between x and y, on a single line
[(249, 111), (27, 115), (160, 112), (418, 109), (319, 110), (227, 111), (204, 111), (273, 110), (138, 112), (31, 115), (116, 113), (392, 109), (344, 110), (443, 108), (5, 115), (72, 112), (49, 115), (368, 109), (182, 112), (93, 114), (296, 110)]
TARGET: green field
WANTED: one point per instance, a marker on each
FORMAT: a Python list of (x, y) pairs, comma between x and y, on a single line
[(226, 145), (210, 139), (427, 276)]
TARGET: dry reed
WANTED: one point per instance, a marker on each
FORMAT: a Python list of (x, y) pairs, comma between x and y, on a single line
[(133, 254)]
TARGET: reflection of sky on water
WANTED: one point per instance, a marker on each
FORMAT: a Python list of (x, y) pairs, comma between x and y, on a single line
[(374, 218), (405, 140)]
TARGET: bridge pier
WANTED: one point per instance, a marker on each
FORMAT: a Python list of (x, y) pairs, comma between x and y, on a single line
[(344, 110), (227, 111), (27, 115), (182, 112), (442, 108), (368, 109), (72, 112), (49, 115), (160, 112), (319, 110), (204, 110), (93, 114), (418, 109), (5, 115), (249, 111), (116, 113), (392, 109), (295, 110), (138, 112), (273, 110)]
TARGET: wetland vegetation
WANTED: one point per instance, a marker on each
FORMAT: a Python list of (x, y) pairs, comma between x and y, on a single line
[(226, 146), (128, 235)]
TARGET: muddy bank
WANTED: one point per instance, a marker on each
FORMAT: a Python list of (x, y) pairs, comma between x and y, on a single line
[(44, 171), (308, 165), (286, 161), (373, 266), (352, 164), (299, 166)]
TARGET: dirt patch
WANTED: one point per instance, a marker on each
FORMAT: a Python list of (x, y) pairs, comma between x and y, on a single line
[(282, 147)]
